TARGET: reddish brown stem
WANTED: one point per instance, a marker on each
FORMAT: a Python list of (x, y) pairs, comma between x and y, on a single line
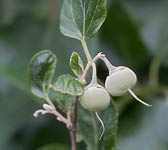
[(74, 115), (74, 122), (75, 111), (73, 140)]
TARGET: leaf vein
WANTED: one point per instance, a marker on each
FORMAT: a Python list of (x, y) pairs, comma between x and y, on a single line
[(93, 16), (73, 18)]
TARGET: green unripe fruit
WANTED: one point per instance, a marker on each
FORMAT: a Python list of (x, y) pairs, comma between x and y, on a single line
[(95, 98), (120, 81)]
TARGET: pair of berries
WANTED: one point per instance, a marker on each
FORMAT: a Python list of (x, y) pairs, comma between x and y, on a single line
[(120, 80)]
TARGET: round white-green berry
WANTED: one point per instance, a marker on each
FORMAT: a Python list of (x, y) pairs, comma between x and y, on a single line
[(95, 98), (120, 81)]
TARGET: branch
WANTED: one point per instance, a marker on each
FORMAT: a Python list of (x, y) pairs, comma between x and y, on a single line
[(74, 121), (89, 65), (48, 109), (74, 115)]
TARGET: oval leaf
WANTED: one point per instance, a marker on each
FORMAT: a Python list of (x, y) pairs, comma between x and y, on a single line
[(76, 64), (89, 128), (41, 70), (81, 19), (69, 85)]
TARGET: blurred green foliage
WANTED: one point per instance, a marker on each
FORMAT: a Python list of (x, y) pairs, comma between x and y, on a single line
[(135, 34)]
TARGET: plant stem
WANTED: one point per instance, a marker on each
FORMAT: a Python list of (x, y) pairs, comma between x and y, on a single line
[(73, 140), (75, 111), (109, 65), (83, 76), (94, 74), (75, 107), (59, 116), (89, 64), (85, 48), (72, 130), (74, 121), (49, 101)]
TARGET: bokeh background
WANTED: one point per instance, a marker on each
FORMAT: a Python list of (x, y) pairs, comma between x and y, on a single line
[(134, 34)]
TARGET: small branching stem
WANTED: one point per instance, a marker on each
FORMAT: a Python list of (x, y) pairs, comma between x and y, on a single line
[(49, 101), (89, 64), (85, 72), (59, 116), (94, 74), (50, 109), (109, 65)]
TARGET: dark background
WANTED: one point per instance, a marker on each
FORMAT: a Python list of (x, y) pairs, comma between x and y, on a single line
[(135, 34)]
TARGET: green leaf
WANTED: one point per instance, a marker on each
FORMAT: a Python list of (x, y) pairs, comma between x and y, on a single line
[(41, 71), (81, 19), (69, 85), (54, 147), (89, 128), (64, 101), (76, 64), (18, 44)]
